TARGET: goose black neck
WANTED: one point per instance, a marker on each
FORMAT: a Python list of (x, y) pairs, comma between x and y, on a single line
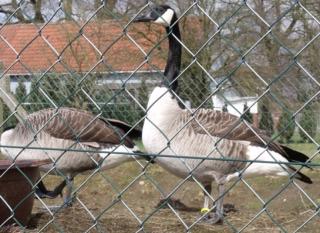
[(172, 69)]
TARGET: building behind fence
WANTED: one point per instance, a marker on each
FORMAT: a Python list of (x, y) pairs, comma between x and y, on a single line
[(257, 60)]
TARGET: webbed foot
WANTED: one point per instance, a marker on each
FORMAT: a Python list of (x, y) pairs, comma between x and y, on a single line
[(213, 218), (228, 208), (176, 204), (42, 191)]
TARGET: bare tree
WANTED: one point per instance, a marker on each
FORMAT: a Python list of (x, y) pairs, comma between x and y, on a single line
[(67, 8), (104, 13), (13, 8), (19, 10), (232, 53), (37, 9)]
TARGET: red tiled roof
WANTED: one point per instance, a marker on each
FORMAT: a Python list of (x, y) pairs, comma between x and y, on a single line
[(24, 50)]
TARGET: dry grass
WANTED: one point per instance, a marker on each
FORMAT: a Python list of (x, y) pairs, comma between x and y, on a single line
[(290, 208)]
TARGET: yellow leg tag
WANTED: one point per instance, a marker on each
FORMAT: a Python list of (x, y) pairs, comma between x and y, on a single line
[(204, 210)]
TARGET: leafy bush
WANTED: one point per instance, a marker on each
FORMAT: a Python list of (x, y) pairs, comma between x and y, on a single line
[(125, 112), (225, 108), (10, 120), (308, 123), (60, 90), (286, 127), (65, 91), (21, 91), (247, 116), (266, 121)]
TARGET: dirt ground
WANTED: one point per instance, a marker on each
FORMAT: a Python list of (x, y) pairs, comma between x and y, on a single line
[(98, 199)]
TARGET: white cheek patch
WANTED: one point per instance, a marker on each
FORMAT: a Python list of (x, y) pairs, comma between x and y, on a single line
[(166, 18)]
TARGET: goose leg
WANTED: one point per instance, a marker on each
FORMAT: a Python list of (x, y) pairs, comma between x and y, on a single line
[(68, 199), (205, 207), (227, 208), (58, 189), (42, 191), (217, 216)]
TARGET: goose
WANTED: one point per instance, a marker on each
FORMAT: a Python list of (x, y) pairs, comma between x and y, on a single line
[(170, 130), (75, 140)]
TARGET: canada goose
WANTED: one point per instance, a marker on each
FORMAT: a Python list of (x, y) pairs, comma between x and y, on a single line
[(171, 130), (49, 133)]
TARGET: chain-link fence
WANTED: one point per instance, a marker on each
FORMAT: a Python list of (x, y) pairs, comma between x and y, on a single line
[(220, 93)]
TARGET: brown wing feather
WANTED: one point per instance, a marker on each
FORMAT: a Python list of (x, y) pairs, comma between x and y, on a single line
[(132, 132), (78, 125), (226, 125)]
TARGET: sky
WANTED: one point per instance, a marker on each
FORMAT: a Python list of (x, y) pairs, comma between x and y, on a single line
[(49, 7)]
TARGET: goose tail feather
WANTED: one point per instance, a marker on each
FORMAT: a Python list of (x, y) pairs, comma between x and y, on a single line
[(296, 156), (300, 176)]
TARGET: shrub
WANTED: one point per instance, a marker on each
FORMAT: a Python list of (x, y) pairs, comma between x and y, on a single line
[(247, 116), (266, 121), (124, 112), (308, 123), (9, 122), (65, 91), (21, 92), (225, 108), (286, 127)]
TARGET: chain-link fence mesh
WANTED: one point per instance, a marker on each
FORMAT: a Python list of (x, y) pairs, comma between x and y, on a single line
[(257, 60)]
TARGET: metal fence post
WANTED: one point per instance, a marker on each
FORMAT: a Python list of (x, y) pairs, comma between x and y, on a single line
[(10, 100)]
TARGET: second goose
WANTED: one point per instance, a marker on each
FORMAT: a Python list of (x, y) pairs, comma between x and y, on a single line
[(75, 140)]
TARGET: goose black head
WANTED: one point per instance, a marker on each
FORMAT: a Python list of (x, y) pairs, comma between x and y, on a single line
[(166, 16), (160, 14)]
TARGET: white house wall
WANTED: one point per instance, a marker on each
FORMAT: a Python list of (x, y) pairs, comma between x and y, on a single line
[(114, 80), (235, 106)]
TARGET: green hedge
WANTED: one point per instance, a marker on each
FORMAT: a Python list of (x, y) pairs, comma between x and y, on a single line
[(286, 127), (65, 91)]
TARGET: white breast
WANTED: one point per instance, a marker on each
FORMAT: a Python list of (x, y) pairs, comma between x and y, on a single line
[(44, 147), (161, 110), (158, 131)]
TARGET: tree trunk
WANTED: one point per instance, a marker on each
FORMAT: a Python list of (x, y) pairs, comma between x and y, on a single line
[(67, 7), (18, 14), (37, 11), (103, 13)]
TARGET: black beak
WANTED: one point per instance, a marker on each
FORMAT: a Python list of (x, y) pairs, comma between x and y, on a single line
[(143, 18)]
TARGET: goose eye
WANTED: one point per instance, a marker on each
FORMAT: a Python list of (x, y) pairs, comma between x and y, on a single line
[(156, 13), (159, 11)]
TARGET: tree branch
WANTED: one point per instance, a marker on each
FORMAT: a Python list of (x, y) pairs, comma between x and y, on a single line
[(7, 12), (37, 10)]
